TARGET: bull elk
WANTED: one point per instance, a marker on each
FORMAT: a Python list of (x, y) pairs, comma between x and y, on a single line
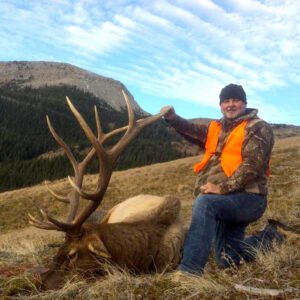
[(141, 234)]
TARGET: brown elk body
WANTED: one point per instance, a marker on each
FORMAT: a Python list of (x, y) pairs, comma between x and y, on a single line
[(152, 244), (142, 234)]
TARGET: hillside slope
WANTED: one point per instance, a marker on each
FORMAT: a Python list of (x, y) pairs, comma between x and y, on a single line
[(173, 177), (22, 247)]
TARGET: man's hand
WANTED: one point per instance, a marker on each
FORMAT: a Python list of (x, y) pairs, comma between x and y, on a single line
[(210, 188), (169, 112)]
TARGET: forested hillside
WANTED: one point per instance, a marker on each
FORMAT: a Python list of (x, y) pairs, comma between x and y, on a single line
[(28, 151), (29, 154)]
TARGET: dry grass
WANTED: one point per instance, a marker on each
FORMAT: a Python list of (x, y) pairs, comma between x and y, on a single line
[(23, 248)]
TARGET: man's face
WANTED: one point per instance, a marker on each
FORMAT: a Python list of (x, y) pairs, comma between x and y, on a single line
[(232, 108)]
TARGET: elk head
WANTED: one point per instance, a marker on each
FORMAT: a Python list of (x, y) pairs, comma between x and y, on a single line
[(83, 248)]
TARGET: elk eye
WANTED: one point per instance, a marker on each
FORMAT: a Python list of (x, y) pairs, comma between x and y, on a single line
[(72, 255)]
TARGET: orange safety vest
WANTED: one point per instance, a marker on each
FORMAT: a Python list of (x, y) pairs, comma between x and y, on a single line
[(231, 155)]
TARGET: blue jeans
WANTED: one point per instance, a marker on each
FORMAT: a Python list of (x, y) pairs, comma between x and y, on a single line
[(223, 219)]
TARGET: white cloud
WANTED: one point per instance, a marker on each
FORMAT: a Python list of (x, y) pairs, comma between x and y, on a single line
[(79, 15), (249, 6), (97, 40), (146, 17)]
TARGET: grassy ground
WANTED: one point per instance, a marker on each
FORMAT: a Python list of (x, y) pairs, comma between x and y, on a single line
[(22, 247)]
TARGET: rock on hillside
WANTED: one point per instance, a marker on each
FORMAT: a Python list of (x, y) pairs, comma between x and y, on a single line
[(37, 74)]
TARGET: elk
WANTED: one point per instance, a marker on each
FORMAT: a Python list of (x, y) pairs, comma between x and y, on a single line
[(141, 234)]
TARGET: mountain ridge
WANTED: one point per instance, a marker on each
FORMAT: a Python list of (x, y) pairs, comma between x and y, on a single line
[(41, 73)]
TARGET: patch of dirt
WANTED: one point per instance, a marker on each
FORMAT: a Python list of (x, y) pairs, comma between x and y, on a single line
[(14, 270)]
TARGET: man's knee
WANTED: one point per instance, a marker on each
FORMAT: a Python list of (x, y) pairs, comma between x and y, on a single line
[(202, 202)]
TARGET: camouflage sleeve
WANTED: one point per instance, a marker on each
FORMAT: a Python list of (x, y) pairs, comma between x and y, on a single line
[(194, 133), (256, 153)]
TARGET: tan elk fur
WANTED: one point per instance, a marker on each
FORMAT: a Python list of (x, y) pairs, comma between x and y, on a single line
[(134, 209), (146, 207)]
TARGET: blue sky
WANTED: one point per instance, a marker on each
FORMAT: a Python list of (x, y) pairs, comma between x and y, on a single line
[(169, 52)]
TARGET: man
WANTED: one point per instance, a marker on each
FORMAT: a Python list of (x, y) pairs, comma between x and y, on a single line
[(231, 187)]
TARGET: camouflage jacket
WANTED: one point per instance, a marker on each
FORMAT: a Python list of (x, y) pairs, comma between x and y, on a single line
[(250, 176)]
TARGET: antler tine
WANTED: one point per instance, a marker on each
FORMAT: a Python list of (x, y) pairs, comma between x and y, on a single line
[(54, 194), (133, 128), (64, 146), (131, 119), (74, 186), (121, 129), (99, 193), (62, 226), (42, 224), (87, 130), (98, 124), (72, 198), (116, 150), (149, 120)]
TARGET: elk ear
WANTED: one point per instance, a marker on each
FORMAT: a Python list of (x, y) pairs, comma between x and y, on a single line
[(97, 247)]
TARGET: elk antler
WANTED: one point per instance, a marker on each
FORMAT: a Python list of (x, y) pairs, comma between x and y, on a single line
[(107, 160)]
